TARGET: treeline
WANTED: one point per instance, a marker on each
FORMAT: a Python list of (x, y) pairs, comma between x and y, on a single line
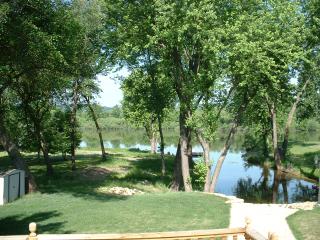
[(112, 118), (200, 64)]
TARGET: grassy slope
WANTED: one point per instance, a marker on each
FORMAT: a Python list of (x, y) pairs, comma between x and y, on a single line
[(305, 224), (303, 156), (71, 202)]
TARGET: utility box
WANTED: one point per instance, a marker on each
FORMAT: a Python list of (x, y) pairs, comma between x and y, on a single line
[(12, 185)]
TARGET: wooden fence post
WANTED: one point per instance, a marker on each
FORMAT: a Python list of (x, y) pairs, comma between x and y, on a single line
[(33, 230), (273, 236), (248, 225)]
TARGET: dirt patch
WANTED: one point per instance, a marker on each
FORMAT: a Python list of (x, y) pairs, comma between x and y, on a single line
[(95, 173)]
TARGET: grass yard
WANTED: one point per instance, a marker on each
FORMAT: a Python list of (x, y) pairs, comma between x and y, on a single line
[(302, 156), (79, 202), (65, 213), (305, 224)]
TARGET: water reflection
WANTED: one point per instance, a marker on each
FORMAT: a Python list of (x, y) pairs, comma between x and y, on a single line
[(281, 189)]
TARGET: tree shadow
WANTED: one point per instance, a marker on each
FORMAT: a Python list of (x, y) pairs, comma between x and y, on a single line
[(138, 150), (150, 169), (64, 180), (18, 224)]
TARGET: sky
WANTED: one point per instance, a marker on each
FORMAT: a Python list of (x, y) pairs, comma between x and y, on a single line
[(111, 94)]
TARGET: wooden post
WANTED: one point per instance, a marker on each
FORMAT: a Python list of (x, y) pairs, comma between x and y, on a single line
[(273, 236), (247, 227), (32, 229)]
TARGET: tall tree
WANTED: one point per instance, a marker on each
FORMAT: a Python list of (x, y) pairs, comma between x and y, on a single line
[(32, 46)]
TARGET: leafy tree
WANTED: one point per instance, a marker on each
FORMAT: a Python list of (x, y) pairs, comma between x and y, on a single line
[(32, 50)]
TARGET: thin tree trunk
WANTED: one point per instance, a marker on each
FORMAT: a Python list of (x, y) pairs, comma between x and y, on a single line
[(223, 155), (163, 164), (73, 123), (184, 147), (16, 157), (206, 157), (276, 150), (290, 118), (275, 189), (285, 189), (45, 151), (177, 182), (265, 145), (152, 137), (154, 142), (94, 117)]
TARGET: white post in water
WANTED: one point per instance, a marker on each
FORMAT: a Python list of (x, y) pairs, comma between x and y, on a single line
[(317, 163)]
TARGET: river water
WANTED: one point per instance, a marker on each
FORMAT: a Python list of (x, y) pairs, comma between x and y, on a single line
[(253, 183)]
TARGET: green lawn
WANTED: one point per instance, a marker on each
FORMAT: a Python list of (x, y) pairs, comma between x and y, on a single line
[(79, 202), (302, 156), (305, 224)]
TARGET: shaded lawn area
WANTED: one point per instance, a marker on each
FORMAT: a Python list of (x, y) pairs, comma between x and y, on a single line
[(65, 213), (78, 202), (305, 224), (302, 156)]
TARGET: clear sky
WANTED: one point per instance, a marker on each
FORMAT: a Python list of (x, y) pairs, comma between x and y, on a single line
[(111, 94)]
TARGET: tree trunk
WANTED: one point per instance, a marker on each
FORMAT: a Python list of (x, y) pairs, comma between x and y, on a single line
[(275, 188), (289, 120), (73, 123), (94, 117), (285, 189), (184, 147), (163, 164), (223, 155), (45, 151), (16, 157), (177, 182), (276, 150), (265, 145), (152, 137), (206, 157), (154, 142)]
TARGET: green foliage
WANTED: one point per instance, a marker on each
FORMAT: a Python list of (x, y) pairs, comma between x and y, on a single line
[(199, 173)]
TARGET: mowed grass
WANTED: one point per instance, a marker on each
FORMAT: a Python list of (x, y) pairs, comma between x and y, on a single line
[(303, 155), (65, 213), (305, 224), (79, 202)]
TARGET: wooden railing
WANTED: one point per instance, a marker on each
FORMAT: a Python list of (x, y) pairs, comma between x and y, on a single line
[(217, 234)]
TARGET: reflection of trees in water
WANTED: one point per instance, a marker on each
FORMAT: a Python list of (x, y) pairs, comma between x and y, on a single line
[(260, 191), (253, 192), (304, 193), (138, 136)]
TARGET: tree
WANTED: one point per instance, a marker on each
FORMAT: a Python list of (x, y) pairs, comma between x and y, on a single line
[(32, 51), (89, 90), (184, 38), (87, 61), (147, 98), (260, 62)]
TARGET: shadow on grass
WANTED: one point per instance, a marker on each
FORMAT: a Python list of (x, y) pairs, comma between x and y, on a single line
[(150, 169), (19, 224), (138, 150), (79, 184)]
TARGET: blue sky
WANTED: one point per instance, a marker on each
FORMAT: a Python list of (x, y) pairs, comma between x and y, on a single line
[(111, 94)]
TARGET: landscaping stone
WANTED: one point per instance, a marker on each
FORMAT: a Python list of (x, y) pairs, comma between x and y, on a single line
[(124, 191)]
